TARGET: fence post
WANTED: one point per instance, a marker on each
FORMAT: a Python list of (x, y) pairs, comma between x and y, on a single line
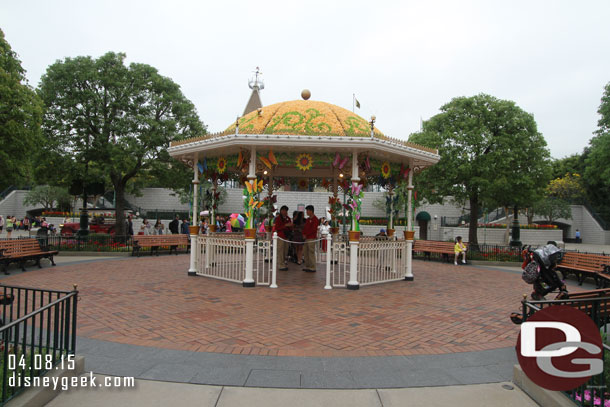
[(329, 245), (249, 280), (353, 284), (274, 262)]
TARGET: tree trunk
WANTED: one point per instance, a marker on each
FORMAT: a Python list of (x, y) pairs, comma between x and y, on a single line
[(473, 240), (119, 228)]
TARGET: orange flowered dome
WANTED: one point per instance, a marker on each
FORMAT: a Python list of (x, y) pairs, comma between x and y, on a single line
[(304, 117)]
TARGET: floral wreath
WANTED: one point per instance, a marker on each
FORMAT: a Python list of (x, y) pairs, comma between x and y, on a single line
[(222, 165), (304, 161), (386, 170)]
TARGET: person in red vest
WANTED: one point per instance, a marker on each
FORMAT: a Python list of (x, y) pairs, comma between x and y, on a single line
[(310, 233), (283, 226)]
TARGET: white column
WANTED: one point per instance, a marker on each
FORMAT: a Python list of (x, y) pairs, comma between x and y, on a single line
[(409, 272), (274, 263), (329, 244), (193, 268), (249, 279), (353, 284), (355, 178)]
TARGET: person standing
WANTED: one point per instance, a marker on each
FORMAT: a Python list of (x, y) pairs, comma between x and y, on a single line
[(184, 227), (310, 233), (578, 236), (1, 223), (130, 225), (324, 231), (158, 228), (298, 221), (174, 224), (283, 226), (10, 223)]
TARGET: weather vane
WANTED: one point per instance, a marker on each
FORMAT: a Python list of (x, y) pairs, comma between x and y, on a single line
[(257, 82)]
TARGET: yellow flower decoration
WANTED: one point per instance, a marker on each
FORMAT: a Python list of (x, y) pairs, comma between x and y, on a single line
[(304, 161), (221, 165), (385, 170)]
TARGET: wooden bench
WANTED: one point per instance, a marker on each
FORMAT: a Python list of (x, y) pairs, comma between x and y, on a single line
[(583, 265), (156, 241), (22, 250), (447, 249), (597, 310)]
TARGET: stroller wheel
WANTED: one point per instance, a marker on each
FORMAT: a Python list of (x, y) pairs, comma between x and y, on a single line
[(516, 318), (537, 297), (563, 295)]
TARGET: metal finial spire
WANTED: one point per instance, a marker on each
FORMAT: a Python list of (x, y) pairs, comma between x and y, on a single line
[(257, 82)]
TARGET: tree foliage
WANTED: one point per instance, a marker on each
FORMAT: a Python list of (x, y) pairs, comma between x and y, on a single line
[(569, 187), (108, 121), (47, 196), (597, 172), (491, 156), (552, 208), (20, 118)]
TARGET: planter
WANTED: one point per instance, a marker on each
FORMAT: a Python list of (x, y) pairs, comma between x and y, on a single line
[(334, 231), (212, 229), (354, 236), (194, 230), (409, 235), (390, 232), (250, 233)]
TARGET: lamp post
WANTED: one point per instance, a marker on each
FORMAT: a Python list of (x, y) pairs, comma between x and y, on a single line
[(515, 240)]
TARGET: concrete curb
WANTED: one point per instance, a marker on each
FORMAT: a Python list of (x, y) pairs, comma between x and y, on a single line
[(495, 263), (545, 398), (93, 254), (39, 396)]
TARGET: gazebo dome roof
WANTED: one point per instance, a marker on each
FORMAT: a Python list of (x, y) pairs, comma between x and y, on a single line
[(304, 117)]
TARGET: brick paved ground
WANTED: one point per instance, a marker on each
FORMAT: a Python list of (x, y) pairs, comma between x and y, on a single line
[(152, 302)]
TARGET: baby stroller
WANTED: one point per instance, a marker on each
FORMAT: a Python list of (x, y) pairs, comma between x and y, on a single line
[(539, 270)]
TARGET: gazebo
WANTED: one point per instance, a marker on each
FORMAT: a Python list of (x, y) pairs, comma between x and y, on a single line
[(305, 140)]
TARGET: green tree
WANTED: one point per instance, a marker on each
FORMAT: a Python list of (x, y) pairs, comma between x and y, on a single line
[(20, 118), (552, 208), (47, 196), (573, 164), (491, 156), (109, 121), (597, 172)]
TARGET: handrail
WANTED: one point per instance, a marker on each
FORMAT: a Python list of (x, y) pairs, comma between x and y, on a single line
[(38, 311)]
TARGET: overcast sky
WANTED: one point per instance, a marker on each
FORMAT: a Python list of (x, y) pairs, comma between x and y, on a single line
[(402, 59)]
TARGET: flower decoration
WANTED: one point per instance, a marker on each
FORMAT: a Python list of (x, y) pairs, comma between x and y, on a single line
[(386, 170), (303, 183), (250, 202), (304, 161), (221, 165), (335, 208), (354, 204)]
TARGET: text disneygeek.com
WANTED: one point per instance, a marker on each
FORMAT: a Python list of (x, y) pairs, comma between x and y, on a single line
[(65, 383)]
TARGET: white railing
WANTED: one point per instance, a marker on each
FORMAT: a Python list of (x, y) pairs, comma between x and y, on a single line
[(339, 263), (221, 257), (262, 262), (380, 261)]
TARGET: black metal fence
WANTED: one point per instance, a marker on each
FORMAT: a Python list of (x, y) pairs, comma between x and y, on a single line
[(89, 243), (593, 392), (38, 334)]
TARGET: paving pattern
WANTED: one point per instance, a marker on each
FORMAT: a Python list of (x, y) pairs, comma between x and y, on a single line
[(153, 302)]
